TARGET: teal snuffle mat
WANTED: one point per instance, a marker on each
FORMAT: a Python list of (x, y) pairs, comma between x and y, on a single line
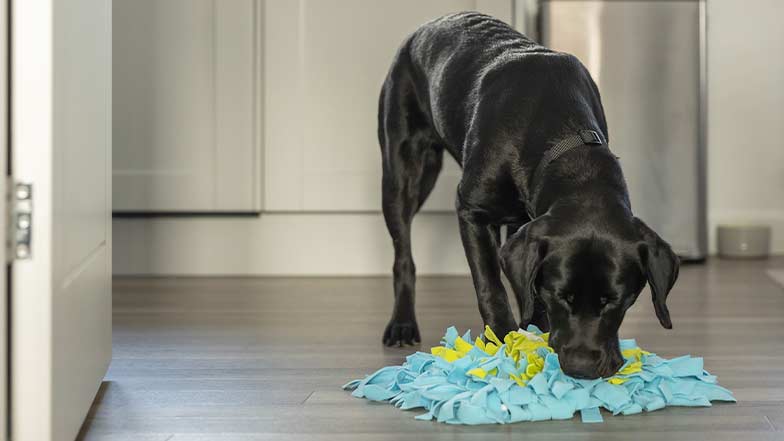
[(519, 379)]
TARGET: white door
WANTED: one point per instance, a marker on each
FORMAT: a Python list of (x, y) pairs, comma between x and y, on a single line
[(61, 144)]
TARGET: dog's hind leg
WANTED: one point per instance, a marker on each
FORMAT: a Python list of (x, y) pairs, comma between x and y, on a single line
[(412, 158)]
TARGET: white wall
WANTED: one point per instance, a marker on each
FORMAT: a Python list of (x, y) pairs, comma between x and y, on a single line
[(746, 114), (745, 174)]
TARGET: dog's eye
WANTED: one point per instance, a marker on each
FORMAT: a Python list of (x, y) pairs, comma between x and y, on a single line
[(604, 300), (570, 298)]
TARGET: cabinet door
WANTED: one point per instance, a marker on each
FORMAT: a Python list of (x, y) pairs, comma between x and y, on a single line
[(185, 105), (325, 61)]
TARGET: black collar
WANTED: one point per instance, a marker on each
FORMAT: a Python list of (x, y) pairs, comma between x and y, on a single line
[(583, 137)]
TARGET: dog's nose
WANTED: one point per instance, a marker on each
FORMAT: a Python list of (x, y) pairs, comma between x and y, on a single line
[(581, 363)]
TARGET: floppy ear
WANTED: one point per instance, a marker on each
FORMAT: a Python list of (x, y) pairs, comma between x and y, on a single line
[(661, 267), (521, 257)]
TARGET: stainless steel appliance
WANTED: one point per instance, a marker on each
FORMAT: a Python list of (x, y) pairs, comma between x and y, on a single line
[(648, 59)]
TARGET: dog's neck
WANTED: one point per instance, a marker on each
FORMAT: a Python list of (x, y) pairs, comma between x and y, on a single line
[(579, 173)]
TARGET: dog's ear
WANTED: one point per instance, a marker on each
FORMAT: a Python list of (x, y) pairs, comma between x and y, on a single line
[(661, 267), (521, 257)]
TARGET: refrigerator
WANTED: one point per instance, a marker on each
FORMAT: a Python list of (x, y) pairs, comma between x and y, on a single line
[(648, 59)]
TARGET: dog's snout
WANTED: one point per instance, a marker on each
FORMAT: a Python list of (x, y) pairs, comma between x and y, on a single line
[(587, 363), (581, 362)]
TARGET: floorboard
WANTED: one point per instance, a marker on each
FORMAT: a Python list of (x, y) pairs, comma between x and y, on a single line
[(240, 359)]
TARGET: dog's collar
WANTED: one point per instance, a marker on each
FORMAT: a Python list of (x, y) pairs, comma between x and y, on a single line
[(583, 137)]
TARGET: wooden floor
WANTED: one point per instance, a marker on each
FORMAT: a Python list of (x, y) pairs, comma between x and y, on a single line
[(264, 359)]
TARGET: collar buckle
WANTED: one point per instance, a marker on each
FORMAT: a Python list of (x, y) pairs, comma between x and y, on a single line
[(591, 137)]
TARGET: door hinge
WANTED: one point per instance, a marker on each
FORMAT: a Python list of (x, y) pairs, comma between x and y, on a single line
[(19, 201)]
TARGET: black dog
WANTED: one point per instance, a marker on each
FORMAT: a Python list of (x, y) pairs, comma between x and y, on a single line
[(527, 126)]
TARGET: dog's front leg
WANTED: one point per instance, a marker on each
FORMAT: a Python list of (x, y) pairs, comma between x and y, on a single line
[(481, 243)]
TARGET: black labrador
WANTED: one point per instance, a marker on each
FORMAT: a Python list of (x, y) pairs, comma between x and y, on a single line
[(527, 126)]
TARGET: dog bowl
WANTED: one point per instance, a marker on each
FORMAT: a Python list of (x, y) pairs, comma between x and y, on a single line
[(743, 241)]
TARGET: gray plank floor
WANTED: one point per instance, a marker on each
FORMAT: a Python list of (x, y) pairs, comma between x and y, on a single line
[(230, 359)]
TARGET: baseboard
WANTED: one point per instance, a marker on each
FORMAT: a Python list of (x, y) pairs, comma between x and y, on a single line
[(312, 244), (282, 244)]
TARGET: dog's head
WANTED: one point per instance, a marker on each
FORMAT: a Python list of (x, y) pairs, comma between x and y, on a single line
[(587, 278)]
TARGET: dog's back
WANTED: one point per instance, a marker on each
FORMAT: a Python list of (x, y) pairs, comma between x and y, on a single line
[(466, 60)]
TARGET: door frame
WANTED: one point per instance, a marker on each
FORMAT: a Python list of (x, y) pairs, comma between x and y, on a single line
[(4, 166)]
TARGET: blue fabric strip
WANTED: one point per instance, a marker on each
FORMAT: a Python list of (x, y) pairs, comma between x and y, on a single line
[(591, 415)]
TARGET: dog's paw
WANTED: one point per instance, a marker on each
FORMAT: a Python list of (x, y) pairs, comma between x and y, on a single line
[(399, 333)]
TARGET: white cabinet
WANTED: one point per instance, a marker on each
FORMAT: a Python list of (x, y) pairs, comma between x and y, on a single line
[(204, 89), (325, 61), (186, 106)]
